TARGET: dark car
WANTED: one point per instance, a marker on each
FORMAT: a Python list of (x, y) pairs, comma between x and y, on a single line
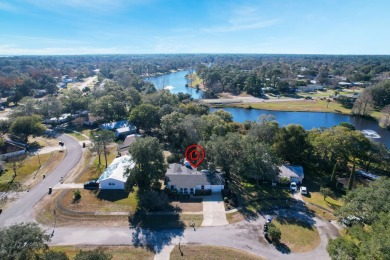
[(91, 185)]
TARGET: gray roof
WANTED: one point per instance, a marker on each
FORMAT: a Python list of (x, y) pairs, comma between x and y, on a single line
[(181, 176), (291, 171)]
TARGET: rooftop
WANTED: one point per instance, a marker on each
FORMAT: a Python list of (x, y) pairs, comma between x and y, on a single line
[(291, 171), (115, 125), (181, 176), (117, 169)]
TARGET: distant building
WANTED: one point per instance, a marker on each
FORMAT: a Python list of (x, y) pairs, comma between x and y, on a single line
[(309, 88), (124, 131), (345, 84), (292, 172), (187, 181), (113, 178), (115, 125), (11, 149), (128, 141)]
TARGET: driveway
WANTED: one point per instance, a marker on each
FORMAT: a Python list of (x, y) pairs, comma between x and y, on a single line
[(214, 211), (21, 210)]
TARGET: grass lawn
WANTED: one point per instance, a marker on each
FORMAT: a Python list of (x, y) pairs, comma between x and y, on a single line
[(180, 221), (210, 252), (317, 199), (95, 170), (101, 201), (189, 205), (298, 105), (77, 135), (298, 236), (117, 252), (234, 217), (29, 165)]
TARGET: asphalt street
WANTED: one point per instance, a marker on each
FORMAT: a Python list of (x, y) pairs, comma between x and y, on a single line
[(21, 210)]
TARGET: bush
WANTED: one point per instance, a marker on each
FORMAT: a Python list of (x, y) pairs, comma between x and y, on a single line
[(76, 196), (174, 158), (203, 192), (274, 233), (284, 181)]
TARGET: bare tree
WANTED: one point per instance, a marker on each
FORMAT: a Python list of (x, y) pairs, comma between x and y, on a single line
[(364, 105), (385, 119), (15, 163)]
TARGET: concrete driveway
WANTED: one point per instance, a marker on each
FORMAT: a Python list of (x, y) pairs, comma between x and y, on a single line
[(214, 211)]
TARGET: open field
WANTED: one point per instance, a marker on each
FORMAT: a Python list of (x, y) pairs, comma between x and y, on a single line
[(317, 199), (117, 252), (297, 236), (101, 201), (29, 166), (210, 253)]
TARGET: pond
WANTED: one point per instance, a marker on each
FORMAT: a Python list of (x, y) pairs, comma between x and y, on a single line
[(310, 120), (175, 82)]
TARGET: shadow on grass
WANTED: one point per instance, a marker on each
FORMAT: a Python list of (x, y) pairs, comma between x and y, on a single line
[(112, 195), (154, 229), (282, 248)]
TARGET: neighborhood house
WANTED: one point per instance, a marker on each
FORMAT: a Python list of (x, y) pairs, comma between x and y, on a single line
[(292, 172), (113, 178), (187, 181)]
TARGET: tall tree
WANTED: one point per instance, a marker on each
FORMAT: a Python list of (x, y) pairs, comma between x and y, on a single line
[(258, 160), (26, 126), (145, 116), (291, 144), (225, 152), (149, 163), (22, 241), (101, 139)]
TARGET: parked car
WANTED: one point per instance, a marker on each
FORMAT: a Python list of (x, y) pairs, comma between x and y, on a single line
[(303, 190), (293, 186), (350, 220), (91, 185)]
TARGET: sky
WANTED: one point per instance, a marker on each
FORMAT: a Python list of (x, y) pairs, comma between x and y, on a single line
[(57, 27)]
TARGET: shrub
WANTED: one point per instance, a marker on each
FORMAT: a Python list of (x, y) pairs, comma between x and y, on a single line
[(76, 195), (284, 181), (274, 233), (174, 158), (203, 192)]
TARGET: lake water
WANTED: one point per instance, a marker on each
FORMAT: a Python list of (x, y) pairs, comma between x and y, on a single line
[(176, 83)]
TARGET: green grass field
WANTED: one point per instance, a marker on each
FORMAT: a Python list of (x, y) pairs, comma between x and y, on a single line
[(29, 166), (210, 253), (298, 236), (117, 252)]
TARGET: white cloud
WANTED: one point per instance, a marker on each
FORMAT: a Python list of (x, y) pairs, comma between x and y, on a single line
[(241, 25), (242, 18), (8, 7)]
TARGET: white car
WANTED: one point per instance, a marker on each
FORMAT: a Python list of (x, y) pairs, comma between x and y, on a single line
[(303, 190), (293, 186)]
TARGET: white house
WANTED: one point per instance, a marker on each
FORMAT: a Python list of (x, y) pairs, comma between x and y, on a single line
[(113, 177), (293, 172), (186, 181)]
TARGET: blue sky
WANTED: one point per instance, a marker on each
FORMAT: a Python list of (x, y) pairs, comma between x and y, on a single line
[(194, 26)]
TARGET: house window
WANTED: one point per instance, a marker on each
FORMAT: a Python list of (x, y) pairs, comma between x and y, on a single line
[(181, 190), (192, 191), (185, 191), (172, 187), (202, 187)]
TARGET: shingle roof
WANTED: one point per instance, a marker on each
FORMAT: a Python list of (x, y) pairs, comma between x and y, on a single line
[(291, 171), (181, 176)]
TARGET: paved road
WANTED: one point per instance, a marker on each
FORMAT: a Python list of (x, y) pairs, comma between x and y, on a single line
[(244, 235), (21, 210)]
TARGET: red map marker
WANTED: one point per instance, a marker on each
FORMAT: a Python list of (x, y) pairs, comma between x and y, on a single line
[(195, 155)]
